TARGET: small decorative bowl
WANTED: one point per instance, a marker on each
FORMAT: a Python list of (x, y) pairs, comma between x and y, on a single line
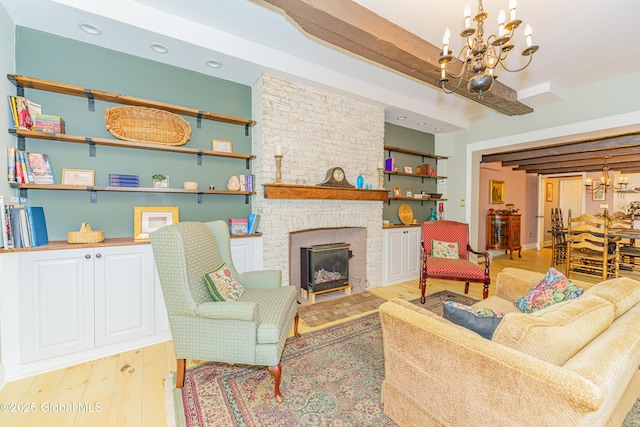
[(190, 185)]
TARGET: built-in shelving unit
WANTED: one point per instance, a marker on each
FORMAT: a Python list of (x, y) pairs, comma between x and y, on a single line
[(92, 94)]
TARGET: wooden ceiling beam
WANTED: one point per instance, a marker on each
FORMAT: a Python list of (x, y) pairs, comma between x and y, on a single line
[(589, 145), (356, 29), (581, 155)]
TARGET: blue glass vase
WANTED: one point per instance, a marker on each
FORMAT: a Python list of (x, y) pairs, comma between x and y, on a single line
[(360, 181), (433, 216)]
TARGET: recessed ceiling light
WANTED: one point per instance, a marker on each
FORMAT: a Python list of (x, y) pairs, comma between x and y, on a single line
[(213, 63), (421, 123), (438, 129), (89, 28), (401, 118), (158, 47)]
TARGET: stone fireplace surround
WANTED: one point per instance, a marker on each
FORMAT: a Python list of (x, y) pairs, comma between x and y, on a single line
[(316, 130)]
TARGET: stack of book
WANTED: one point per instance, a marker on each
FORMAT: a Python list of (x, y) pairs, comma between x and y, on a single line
[(28, 168), (22, 227), (238, 226), (120, 180), (246, 182), (48, 123), (254, 219)]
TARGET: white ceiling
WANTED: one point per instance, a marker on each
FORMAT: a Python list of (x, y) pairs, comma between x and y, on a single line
[(581, 42)]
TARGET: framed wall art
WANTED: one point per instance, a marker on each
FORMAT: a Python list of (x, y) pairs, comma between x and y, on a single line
[(496, 192), (549, 192), (221, 146), (147, 219), (77, 176)]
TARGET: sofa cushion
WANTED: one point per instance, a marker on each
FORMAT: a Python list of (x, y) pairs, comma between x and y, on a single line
[(222, 285), (480, 320), (558, 332), (552, 289), (622, 292), (441, 249), (512, 283)]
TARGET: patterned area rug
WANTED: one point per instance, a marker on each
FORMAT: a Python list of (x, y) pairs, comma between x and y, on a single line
[(434, 301), (324, 312), (633, 417), (330, 377)]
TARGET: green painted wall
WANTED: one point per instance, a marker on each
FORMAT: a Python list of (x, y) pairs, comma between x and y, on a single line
[(45, 56), (397, 136)]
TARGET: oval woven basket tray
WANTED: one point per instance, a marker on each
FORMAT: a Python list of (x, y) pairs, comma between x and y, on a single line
[(143, 124)]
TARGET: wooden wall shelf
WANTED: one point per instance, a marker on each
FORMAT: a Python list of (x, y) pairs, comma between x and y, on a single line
[(291, 191)]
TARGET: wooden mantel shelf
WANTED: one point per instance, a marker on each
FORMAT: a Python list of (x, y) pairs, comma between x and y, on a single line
[(291, 191)]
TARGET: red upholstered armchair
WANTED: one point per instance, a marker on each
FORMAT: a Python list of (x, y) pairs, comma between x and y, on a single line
[(458, 267)]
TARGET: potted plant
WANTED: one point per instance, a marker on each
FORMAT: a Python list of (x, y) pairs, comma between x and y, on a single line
[(160, 181)]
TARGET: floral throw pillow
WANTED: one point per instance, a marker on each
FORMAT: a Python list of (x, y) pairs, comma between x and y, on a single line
[(552, 289), (441, 249), (482, 321), (222, 285)]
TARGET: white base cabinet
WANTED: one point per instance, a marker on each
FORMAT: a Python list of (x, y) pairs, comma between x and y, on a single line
[(401, 252), (60, 307)]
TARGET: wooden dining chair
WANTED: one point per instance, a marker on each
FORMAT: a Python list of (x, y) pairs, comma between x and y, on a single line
[(629, 254), (559, 238), (589, 249)]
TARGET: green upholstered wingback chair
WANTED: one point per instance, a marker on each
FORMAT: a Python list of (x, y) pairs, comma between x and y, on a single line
[(251, 330)]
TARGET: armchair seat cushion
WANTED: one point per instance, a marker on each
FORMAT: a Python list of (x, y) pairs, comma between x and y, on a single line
[(274, 306), (454, 268)]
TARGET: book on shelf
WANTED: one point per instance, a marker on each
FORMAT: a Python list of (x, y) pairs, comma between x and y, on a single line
[(253, 221), (12, 114), (40, 168), (120, 180), (28, 173), (11, 164), (14, 223), (25, 121), (6, 203), (24, 176), (37, 226), (49, 123)]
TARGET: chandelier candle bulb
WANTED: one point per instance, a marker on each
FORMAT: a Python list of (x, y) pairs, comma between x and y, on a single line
[(278, 150), (512, 10), (445, 42), (467, 17), (527, 34), (501, 19)]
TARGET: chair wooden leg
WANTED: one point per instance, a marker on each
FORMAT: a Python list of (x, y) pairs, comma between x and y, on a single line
[(466, 287), (423, 288), (295, 326), (485, 291), (181, 366), (277, 373)]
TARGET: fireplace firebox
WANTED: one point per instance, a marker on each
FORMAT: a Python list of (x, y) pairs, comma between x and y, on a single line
[(325, 268)]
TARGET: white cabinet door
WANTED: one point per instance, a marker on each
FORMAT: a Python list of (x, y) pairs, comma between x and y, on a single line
[(246, 253), (412, 259), (56, 303), (401, 253), (124, 283)]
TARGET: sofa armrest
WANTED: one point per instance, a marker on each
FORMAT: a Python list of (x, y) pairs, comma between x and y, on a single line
[(236, 310), (261, 279), (441, 367)]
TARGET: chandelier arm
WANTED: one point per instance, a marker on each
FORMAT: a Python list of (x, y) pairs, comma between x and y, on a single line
[(448, 92), (519, 69)]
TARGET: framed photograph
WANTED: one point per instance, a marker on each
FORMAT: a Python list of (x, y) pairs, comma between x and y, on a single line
[(496, 192), (549, 192), (397, 192), (77, 176), (221, 146), (147, 219), (598, 195), (408, 169)]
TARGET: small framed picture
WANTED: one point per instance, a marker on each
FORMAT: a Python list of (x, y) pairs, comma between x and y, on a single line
[(549, 192), (496, 192), (147, 219), (599, 195), (221, 146), (408, 169), (397, 192), (77, 177)]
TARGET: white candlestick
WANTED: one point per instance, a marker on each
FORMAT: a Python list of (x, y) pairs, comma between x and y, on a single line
[(380, 165), (278, 150)]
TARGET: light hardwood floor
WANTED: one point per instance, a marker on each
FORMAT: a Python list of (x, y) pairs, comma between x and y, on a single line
[(127, 389)]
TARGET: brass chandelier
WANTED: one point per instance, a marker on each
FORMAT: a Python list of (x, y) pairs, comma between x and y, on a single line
[(604, 184), (479, 57)]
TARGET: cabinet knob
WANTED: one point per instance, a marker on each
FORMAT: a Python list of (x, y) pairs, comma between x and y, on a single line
[(98, 255), (87, 256)]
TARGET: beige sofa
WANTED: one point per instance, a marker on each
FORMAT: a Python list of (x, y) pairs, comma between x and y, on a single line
[(575, 363)]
